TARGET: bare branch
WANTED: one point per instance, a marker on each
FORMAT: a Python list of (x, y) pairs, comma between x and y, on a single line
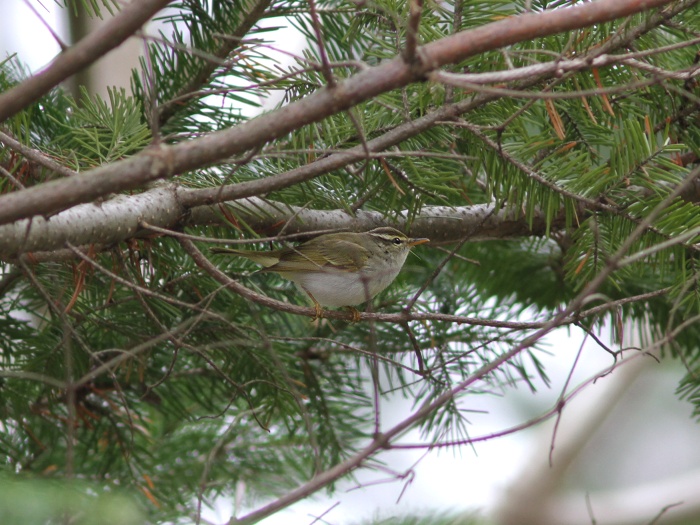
[(120, 219), (35, 155), (470, 80), (112, 221), (414, 16), (318, 29)]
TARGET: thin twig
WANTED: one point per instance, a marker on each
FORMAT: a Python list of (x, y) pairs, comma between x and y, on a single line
[(412, 31), (11, 178), (318, 29), (48, 27), (34, 155), (561, 401)]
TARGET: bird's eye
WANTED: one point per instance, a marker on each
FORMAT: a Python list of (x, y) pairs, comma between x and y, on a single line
[(396, 241)]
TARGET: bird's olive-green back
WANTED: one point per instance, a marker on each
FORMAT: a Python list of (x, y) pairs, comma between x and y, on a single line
[(342, 251)]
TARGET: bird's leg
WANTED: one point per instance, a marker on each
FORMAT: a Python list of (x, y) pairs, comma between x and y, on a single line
[(319, 311), (317, 307)]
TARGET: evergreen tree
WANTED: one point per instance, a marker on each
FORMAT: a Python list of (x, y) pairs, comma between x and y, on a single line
[(549, 150)]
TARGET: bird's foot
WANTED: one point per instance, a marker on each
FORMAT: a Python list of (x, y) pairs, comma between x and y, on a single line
[(319, 312), (355, 314)]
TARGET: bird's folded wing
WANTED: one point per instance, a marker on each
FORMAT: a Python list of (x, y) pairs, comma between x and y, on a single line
[(331, 253)]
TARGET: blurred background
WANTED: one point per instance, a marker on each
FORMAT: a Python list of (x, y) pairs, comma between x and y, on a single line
[(624, 451)]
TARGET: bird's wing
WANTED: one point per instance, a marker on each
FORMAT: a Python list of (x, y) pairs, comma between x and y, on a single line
[(339, 254)]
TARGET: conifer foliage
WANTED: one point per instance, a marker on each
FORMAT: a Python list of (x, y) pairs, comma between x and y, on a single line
[(549, 150)]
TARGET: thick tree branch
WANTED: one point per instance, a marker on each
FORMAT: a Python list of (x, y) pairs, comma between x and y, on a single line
[(441, 224), (168, 206), (112, 221), (169, 160), (120, 219)]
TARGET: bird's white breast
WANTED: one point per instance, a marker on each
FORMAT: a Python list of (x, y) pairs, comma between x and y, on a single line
[(336, 288)]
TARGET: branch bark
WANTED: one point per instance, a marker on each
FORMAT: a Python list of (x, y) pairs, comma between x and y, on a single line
[(112, 221), (121, 218)]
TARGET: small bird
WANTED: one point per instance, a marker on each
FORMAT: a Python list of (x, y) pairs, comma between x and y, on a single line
[(338, 269)]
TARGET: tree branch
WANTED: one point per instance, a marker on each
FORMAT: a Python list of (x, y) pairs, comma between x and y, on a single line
[(35, 155), (120, 219), (112, 221)]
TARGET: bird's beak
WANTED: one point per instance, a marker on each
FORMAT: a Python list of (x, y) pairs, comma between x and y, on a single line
[(416, 242)]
